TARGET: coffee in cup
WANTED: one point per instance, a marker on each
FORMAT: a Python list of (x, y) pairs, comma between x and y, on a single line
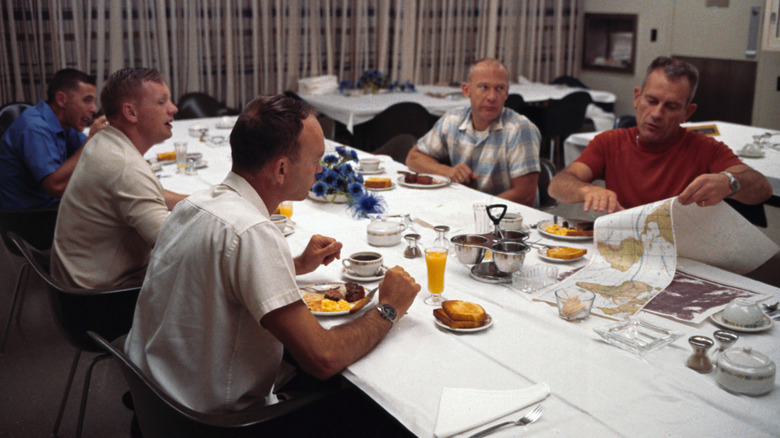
[(512, 221), (364, 264)]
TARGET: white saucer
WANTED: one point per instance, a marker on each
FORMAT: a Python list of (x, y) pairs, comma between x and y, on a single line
[(383, 189), (288, 229), (717, 318), (359, 278), (544, 257), (751, 154), (465, 330), (370, 172)]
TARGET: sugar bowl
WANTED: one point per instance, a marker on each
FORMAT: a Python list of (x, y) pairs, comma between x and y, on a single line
[(744, 371)]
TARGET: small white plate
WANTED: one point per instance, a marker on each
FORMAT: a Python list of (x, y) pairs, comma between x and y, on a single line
[(544, 257), (717, 318), (358, 278), (438, 181), (544, 224), (751, 155), (370, 172), (383, 189), (487, 325)]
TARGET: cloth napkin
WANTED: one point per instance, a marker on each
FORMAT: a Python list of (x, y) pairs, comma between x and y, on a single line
[(461, 409)]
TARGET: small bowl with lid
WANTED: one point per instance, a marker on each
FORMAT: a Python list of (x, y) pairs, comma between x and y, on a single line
[(744, 371), (383, 232)]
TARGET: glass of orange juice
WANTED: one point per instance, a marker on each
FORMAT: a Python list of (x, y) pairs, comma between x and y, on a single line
[(285, 208), (435, 260)]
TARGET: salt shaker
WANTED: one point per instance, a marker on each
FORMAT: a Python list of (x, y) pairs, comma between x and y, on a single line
[(412, 251), (441, 236), (699, 361), (725, 340)]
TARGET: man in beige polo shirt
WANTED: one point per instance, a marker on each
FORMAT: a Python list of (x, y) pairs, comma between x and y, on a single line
[(114, 206)]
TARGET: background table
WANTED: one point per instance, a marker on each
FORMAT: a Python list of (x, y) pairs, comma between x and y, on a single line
[(597, 389), (355, 109), (733, 135)]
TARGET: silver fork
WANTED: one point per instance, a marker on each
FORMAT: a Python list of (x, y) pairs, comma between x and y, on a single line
[(523, 421)]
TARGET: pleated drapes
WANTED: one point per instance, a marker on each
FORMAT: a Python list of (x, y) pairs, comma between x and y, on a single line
[(237, 49)]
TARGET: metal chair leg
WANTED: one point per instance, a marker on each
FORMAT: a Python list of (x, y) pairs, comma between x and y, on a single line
[(85, 391), (22, 275), (73, 367)]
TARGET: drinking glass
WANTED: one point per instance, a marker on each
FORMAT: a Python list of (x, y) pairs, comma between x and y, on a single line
[(285, 208), (435, 260), (482, 223), (180, 148)]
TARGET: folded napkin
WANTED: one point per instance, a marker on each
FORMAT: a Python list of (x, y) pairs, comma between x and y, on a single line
[(461, 409)]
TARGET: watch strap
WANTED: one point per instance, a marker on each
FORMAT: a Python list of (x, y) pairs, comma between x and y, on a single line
[(733, 183), (388, 312)]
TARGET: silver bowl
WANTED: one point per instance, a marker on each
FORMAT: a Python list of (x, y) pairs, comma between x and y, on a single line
[(509, 256), (470, 248)]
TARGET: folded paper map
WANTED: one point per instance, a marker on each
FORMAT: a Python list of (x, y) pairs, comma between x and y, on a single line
[(637, 250)]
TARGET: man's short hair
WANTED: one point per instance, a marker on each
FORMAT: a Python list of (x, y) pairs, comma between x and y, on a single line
[(488, 61), (674, 69), (269, 126), (67, 79), (124, 85)]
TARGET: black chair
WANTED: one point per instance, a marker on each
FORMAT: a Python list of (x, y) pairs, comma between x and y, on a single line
[(36, 226), (398, 147), (400, 118), (108, 311), (625, 121), (753, 213), (160, 415), (546, 173), (519, 105), (569, 81), (562, 118), (199, 105), (9, 113)]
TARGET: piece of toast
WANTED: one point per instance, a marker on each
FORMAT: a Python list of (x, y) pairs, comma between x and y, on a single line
[(377, 183), (566, 253), (458, 310), (441, 315)]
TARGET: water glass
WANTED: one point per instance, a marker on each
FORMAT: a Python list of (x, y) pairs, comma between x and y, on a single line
[(574, 304), (482, 223), (180, 148)]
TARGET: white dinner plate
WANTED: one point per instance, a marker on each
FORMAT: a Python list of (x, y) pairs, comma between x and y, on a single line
[(438, 181), (717, 318), (324, 287), (544, 257), (370, 172), (383, 189), (465, 330), (358, 278), (544, 224)]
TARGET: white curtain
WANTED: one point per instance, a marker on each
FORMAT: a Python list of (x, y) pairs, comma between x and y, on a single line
[(236, 49)]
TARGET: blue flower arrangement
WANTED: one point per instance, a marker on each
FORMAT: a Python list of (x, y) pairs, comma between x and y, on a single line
[(373, 80), (339, 178)]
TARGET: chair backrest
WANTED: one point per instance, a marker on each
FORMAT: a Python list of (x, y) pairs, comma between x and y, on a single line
[(107, 311), (9, 113), (199, 105), (625, 121), (400, 118), (36, 226), (160, 415), (546, 173), (566, 116), (569, 81)]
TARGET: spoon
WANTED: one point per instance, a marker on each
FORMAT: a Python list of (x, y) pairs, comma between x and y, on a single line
[(769, 308)]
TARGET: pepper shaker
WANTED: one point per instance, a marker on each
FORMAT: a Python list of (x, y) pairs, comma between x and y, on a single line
[(699, 361), (412, 251), (725, 340)]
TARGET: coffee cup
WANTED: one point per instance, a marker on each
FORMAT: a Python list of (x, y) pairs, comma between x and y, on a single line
[(512, 221), (364, 264), (280, 221), (369, 164)]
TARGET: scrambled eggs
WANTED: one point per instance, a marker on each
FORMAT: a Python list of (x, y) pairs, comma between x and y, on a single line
[(558, 230), (334, 306)]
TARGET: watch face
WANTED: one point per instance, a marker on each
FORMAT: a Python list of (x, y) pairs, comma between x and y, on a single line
[(388, 312)]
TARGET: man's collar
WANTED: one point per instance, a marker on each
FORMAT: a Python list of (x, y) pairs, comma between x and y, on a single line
[(238, 184), (468, 126)]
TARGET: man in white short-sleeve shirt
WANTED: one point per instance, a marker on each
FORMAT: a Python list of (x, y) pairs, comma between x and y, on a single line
[(220, 302)]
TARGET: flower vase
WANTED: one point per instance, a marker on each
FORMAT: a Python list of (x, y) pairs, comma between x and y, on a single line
[(335, 198)]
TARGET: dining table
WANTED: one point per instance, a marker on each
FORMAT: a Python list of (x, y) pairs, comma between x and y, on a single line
[(595, 388), (353, 107), (734, 135)]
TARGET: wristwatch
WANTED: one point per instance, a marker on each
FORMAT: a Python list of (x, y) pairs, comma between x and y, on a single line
[(733, 183), (388, 312)]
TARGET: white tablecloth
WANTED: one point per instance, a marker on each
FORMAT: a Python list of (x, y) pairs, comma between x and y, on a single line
[(352, 110), (597, 389), (735, 136)]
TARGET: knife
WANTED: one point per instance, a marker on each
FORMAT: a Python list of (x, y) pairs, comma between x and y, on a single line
[(367, 299)]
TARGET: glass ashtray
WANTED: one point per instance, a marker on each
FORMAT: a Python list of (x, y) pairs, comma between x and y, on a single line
[(637, 336)]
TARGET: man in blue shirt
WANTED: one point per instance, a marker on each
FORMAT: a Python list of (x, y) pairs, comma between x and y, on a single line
[(40, 149)]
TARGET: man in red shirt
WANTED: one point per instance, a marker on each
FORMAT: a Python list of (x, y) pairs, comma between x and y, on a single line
[(659, 159)]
